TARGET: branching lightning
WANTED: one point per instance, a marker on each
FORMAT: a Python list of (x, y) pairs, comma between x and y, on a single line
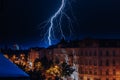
[(52, 20), (55, 23)]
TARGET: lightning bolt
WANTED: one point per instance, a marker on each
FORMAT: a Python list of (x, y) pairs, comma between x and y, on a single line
[(60, 10), (52, 30)]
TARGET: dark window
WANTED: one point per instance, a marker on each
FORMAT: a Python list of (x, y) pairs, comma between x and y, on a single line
[(100, 72), (81, 78), (107, 72), (95, 72), (90, 62), (80, 69), (114, 63), (81, 53), (100, 63), (97, 79), (114, 72), (100, 53), (107, 53), (86, 72), (114, 53), (90, 71), (107, 62), (95, 63), (86, 53), (86, 62), (81, 62), (107, 78), (88, 78), (95, 53), (90, 53)]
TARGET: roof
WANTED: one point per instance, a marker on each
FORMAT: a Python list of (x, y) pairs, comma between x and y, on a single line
[(88, 42), (8, 69)]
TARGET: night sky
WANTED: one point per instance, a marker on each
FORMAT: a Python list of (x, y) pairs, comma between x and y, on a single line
[(19, 19)]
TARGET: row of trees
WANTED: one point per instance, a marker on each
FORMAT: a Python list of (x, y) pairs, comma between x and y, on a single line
[(43, 67)]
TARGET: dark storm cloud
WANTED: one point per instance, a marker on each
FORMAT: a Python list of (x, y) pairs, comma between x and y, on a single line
[(99, 17)]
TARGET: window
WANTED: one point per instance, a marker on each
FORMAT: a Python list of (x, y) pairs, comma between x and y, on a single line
[(86, 72), (107, 53), (97, 79), (81, 62), (80, 69), (81, 78), (107, 72), (113, 62), (95, 72), (100, 53), (107, 78), (95, 63), (90, 53), (90, 71), (114, 72), (86, 62), (86, 53), (95, 53), (101, 72), (90, 62), (81, 53), (107, 62), (88, 78), (114, 53), (100, 63)]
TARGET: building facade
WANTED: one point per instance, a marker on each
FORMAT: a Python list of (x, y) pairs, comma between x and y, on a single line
[(99, 63), (96, 59)]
